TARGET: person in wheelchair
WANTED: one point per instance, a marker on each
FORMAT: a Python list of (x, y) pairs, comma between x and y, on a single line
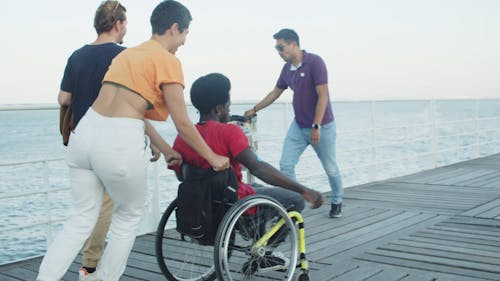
[(210, 95)]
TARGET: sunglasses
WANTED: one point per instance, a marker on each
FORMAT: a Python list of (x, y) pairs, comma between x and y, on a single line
[(279, 47)]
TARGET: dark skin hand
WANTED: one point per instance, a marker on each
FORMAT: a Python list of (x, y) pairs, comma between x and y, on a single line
[(272, 176)]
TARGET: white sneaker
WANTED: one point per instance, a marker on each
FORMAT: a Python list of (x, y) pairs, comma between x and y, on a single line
[(83, 275)]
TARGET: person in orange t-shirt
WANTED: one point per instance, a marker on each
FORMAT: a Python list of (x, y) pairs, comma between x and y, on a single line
[(107, 151)]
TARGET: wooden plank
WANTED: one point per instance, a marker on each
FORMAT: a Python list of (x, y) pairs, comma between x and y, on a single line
[(447, 235), (21, 273), (389, 275), (4, 277), (476, 212), (432, 242), (488, 252), (336, 245), (491, 213), (411, 206), (442, 253), (447, 261), (429, 265), (480, 181), (415, 274), (465, 176), (359, 274), (494, 182), (430, 198), (479, 222), (391, 230), (482, 230), (430, 176)]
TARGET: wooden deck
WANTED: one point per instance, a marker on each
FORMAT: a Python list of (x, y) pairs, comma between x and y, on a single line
[(441, 224)]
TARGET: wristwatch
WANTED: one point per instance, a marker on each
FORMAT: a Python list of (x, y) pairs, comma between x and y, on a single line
[(316, 126)]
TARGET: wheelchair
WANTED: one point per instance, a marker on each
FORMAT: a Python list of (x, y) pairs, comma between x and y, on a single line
[(252, 231), (257, 239)]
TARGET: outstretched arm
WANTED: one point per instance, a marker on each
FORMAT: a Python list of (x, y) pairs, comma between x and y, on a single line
[(171, 156), (270, 98), (272, 176)]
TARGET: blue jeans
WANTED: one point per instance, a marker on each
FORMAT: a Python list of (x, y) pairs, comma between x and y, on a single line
[(296, 141)]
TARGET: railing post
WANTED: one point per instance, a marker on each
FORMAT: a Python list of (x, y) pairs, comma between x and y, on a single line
[(432, 119), (476, 128), (156, 197), (285, 120), (373, 169), (407, 149), (46, 187)]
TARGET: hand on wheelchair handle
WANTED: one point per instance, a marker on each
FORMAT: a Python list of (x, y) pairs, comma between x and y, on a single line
[(219, 163), (249, 113), (313, 197), (173, 158)]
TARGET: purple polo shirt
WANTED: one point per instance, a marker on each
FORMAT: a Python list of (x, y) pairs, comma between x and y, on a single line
[(303, 81)]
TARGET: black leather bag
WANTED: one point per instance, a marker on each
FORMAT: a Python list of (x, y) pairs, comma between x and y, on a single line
[(203, 198)]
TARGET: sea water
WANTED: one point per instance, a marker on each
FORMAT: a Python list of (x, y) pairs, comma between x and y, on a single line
[(375, 140)]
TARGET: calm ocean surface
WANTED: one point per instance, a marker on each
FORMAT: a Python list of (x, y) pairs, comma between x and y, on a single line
[(402, 131)]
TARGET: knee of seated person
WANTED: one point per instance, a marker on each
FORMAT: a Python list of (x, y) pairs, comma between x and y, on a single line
[(299, 205), (296, 203)]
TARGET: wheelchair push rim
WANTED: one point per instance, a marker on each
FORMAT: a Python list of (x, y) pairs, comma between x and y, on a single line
[(237, 253), (179, 258)]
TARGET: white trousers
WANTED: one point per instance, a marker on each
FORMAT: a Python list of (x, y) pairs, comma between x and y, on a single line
[(103, 154)]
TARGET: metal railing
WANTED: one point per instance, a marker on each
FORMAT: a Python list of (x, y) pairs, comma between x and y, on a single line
[(483, 137)]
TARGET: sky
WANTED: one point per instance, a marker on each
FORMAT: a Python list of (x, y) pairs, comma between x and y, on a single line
[(374, 50)]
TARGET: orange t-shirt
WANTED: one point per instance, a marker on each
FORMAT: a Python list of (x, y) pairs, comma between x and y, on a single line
[(143, 69)]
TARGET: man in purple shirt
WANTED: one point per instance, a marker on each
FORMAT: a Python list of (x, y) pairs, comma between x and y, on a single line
[(314, 124)]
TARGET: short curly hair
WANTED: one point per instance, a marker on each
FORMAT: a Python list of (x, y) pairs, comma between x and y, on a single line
[(209, 91)]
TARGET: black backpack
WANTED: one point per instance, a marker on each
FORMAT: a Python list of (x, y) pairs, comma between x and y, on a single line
[(203, 198)]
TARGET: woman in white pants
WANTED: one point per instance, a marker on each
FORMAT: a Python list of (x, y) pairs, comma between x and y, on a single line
[(107, 151)]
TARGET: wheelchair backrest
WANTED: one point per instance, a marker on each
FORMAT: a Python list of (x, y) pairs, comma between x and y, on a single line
[(203, 197)]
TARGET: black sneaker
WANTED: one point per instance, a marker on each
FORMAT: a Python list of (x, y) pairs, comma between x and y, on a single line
[(336, 211)]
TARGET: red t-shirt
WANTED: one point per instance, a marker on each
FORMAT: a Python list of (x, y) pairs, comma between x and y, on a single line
[(224, 139)]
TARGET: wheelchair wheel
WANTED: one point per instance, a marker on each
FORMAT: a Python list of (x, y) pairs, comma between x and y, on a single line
[(237, 255), (179, 257)]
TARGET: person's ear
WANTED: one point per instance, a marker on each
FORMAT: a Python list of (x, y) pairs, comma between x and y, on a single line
[(175, 28), (218, 109)]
